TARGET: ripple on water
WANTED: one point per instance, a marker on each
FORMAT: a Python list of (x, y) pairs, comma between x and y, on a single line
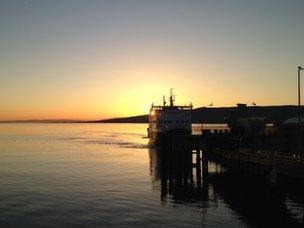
[(99, 175)]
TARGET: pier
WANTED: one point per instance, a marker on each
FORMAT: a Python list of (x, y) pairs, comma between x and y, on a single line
[(198, 175), (253, 144), (251, 180), (270, 164)]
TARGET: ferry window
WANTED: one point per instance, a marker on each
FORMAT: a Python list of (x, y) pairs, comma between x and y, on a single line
[(187, 121), (183, 121), (170, 121), (177, 121), (160, 121), (165, 121), (154, 121)]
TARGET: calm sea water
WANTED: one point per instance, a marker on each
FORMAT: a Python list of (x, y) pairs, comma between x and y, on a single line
[(105, 175)]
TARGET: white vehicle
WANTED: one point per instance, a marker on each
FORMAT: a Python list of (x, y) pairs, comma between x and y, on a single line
[(168, 119)]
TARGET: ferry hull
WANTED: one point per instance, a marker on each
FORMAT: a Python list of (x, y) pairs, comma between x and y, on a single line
[(173, 139)]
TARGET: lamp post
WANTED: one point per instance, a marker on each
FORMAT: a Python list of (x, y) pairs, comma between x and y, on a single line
[(299, 106), (299, 94)]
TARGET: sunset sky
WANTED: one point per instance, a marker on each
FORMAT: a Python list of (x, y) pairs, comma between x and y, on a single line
[(97, 59)]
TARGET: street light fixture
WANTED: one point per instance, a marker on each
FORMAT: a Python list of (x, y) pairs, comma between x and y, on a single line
[(299, 104), (299, 93)]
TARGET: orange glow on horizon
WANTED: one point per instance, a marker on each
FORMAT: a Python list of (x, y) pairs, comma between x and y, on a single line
[(132, 95)]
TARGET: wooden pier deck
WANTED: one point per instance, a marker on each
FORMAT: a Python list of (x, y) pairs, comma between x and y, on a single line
[(287, 164), (266, 162)]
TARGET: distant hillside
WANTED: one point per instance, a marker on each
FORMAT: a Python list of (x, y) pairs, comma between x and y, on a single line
[(42, 121), (207, 115), (218, 115), (131, 119)]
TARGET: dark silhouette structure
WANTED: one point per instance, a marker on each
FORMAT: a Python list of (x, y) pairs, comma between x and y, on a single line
[(258, 204), (218, 115)]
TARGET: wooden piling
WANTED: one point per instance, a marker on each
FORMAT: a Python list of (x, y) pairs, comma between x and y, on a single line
[(198, 168)]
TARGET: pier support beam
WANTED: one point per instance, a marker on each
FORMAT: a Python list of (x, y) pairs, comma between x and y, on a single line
[(273, 175), (205, 166), (198, 168)]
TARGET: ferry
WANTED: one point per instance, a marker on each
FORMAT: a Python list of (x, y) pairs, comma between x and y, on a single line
[(168, 121)]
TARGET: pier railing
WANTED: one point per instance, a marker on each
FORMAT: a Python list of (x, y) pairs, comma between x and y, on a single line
[(262, 156)]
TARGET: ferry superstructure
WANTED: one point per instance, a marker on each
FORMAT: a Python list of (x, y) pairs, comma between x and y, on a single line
[(168, 119)]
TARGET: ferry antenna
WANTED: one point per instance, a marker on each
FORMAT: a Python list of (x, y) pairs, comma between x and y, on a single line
[(164, 100), (172, 97)]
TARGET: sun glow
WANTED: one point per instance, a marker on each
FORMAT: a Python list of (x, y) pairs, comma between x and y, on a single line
[(113, 60)]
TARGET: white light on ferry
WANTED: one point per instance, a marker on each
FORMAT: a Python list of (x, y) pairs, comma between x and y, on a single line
[(152, 113)]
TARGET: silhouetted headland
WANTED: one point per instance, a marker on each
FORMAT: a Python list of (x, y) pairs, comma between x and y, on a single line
[(198, 115), (218, 115), (43, 121)]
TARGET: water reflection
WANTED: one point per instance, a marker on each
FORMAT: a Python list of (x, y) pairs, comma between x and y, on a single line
[(97, 175), (175, 175), (251, 198)]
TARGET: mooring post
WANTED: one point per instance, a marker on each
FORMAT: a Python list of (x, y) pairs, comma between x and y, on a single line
[(205, 166), (198, 168), (191, 175), (273, 175), (192, 166)]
